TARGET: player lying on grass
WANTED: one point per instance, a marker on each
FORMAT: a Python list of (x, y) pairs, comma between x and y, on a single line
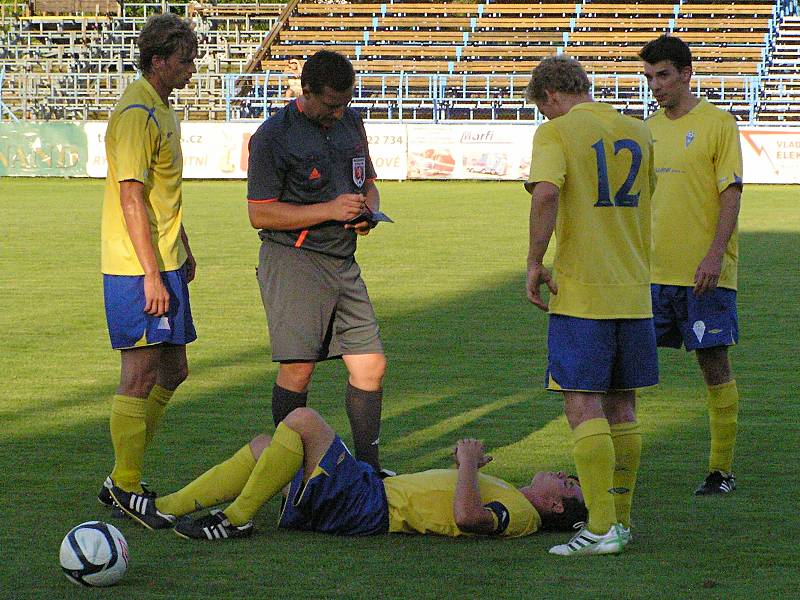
[(330, 491)]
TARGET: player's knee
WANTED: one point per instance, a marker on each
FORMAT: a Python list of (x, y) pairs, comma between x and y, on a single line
[(258, 444), (715, 365), (295, 376), (620, 406), (176, 376), (379, 369), (303, 419), (368, 375), (137, 383)]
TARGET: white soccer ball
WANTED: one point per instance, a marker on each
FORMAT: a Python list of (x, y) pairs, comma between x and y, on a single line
[(94, 554)]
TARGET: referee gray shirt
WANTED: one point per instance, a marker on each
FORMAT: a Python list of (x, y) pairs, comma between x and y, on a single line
[(293, 159)]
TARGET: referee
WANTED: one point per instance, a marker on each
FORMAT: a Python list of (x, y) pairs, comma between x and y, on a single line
[(310, 189)]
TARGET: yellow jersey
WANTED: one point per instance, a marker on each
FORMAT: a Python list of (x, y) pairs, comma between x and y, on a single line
[(143, 143), (602, 163), (423, 503), (697, 156)]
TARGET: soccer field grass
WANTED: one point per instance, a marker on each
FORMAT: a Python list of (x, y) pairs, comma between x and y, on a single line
[(466, 357)]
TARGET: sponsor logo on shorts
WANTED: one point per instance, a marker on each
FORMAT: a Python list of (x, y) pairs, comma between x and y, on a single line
[(163, 323), (699, 329)]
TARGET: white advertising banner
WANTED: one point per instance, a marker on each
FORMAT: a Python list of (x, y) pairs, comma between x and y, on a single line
[(432, 151), (469, 151), (96, 164), (210, 150), (220, 150), (388, 147), (771, 154)]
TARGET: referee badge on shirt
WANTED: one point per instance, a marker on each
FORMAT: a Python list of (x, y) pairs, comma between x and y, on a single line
[(359, 165)]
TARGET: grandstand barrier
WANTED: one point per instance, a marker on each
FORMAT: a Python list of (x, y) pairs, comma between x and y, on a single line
[(490, 151)]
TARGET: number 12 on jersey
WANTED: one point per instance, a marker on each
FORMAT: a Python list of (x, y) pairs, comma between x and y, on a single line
[(622, 197)]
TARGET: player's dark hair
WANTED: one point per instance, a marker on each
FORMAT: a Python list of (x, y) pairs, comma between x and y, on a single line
[(326, 68), (575, 512), (667, 47), (163, 35)]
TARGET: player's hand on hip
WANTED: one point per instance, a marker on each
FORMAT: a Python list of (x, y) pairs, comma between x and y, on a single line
[(346, 207), (191, 268), (156, 296), (538, 275), (707, 274)]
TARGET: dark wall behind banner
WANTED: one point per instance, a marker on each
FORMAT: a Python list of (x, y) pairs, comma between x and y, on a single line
[(43, 149)]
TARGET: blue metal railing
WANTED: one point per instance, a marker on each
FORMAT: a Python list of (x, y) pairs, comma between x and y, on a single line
[(446, 97), (4, 110)]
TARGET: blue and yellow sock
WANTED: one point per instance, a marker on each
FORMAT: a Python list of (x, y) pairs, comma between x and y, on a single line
[(594, 460), (723, 413), (275, 468), (627, 440), (221, 483), (128, 435), (154, 409)]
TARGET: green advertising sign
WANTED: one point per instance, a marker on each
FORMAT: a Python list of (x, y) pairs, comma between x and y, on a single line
[(43, 149)]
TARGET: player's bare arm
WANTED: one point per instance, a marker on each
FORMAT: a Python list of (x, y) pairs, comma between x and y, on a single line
[(544, 206), (469, 513), (284, 216), (708, 271), (136, 220), (191, 263)]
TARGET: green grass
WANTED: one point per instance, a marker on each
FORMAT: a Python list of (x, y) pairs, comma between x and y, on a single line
[(466, 355)]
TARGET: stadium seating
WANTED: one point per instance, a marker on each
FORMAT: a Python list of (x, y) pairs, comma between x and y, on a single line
[(451, 58), (780, 95)]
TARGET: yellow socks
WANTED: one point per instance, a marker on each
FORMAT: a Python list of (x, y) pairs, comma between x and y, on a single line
[(221, 483), (275, 468), (154, 409), (128, 435), (594, 460), (627, 440), (723, 411)]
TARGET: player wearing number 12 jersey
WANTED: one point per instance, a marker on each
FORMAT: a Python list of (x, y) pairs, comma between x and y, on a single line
[(591, 181)]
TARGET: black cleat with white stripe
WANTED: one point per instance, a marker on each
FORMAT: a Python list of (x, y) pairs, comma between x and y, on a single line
[(213, 526), (716, 482), (104, 498), (141, 508)]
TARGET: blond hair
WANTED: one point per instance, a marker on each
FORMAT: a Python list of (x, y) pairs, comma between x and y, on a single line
[(559, 73)]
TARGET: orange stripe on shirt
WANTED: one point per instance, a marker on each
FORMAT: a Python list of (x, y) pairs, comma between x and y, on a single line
[(301, 238), (261, 200)]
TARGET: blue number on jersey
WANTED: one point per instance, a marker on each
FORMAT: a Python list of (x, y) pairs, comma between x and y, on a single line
[(622, 197)]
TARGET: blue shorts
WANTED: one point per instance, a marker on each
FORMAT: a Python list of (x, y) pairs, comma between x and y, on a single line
[(345, 497), (683, 318), (130, 327), (600, 355)]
